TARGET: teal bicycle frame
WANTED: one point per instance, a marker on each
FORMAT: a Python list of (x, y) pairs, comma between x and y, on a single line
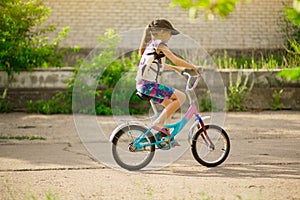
[(140, 143)]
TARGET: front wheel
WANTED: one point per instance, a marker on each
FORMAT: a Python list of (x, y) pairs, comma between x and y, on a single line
[(211, 149), (124, 152)]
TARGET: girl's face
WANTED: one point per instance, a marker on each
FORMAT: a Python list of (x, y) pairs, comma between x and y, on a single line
[(164, 35)]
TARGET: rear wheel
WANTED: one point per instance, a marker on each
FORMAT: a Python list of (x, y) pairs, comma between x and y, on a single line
[(212, 149), (125, 153)]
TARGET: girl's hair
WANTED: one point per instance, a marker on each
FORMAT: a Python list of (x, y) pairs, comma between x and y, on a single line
[(151, 28), (145, 40)]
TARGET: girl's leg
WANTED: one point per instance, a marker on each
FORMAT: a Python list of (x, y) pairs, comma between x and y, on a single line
[(171, 105)]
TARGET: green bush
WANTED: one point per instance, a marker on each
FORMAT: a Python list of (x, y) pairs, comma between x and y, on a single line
[(253, 62), (23, 44), (294, 62), (58, 104), (206, 104), (4, 106), (291, 29), (238, 93), (106, 68)]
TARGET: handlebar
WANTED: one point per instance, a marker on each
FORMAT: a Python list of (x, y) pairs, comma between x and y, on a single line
[(190, 77)]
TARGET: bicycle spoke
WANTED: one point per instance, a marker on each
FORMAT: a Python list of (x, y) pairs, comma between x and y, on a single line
[(212, 148), (126, 153)]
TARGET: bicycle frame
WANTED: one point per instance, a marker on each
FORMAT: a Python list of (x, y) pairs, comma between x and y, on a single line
[(178, 126), (210, 144)]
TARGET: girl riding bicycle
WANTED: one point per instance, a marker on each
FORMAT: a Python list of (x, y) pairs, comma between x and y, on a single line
[(153, 50)]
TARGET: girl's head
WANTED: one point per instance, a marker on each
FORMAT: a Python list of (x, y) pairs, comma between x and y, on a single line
[(157, 29), (162, 25)]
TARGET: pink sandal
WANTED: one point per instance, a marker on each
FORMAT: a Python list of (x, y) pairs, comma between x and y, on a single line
[(162, 130)]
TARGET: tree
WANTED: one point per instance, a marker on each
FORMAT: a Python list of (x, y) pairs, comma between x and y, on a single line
[(220, 7), (224, 7), (23, 44), (293, 14)]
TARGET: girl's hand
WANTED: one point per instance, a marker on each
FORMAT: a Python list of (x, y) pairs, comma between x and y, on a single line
[(198, 69), (179, 70)]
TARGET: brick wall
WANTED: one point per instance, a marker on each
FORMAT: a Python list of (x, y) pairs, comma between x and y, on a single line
[(251, 25)]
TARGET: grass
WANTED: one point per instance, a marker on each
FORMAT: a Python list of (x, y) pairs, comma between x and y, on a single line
[(143, 191), (21, 137), (9, 192), (254, 62)]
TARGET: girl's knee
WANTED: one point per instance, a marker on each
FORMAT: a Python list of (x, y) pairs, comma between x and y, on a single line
[(180, 96)]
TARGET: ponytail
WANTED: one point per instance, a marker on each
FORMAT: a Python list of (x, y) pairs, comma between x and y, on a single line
[(145, 40)]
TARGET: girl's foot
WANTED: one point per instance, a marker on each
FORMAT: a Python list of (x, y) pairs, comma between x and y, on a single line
[(164, 131)]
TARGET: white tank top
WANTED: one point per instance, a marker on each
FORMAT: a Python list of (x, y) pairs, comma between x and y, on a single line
[(149, 67)]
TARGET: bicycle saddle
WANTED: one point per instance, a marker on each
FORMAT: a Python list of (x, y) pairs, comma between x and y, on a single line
[(143, 96)]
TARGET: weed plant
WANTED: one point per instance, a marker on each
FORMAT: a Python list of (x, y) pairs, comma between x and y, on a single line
[(238, 93), (243, 62), (276, 103), (4, 106), (206, 104)]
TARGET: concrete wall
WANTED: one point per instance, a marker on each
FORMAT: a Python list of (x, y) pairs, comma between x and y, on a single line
[(50, 78), (43, 83), (36, 85), (252, 25)]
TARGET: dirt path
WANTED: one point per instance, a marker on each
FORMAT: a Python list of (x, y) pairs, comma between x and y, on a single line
[(263, 164)]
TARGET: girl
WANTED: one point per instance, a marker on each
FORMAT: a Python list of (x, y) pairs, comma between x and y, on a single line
[(153, 50)]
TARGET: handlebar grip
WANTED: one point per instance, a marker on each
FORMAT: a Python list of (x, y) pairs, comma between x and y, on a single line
[(199, 69), (183, 72)]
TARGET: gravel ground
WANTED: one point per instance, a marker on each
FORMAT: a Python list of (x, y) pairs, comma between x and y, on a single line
[(263, 163)]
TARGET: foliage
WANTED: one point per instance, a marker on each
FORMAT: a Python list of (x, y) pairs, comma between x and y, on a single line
[(110, 78), (291, 74), (276, 104), (220, 7), (289, 29), (294, 54), (105, 69), (8, 191), (23, 45), (293, 13), (224, 7), (238, 93), (58, 104), (206, 104), (293, 50), (4, 106), (263, 62), (23, 137)]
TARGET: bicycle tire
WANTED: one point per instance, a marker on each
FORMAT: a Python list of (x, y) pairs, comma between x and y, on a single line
[(203, 154), (121, 153)]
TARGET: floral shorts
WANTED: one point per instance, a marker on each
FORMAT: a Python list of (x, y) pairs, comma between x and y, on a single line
[(158, 92)]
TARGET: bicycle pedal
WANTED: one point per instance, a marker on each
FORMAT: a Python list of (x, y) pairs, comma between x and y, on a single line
[(165, 143)]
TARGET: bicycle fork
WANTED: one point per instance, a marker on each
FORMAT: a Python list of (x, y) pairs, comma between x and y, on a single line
[(200, 124)]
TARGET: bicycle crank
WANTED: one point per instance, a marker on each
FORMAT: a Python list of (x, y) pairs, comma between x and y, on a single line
[(131, 148)]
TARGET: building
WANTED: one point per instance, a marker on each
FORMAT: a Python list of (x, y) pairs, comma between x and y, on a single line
[(253, 25)]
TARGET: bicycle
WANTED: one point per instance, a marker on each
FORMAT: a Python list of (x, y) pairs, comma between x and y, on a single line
[(134, 145)]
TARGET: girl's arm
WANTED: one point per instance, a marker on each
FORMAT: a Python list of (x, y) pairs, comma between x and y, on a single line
[(177, 61), (175, 68)]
